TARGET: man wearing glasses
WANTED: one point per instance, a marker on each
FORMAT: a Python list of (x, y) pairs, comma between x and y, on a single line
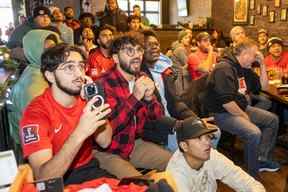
[(58, 127), (130, 95)]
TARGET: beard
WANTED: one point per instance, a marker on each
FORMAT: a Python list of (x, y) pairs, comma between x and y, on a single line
[(68, 17), (127, 67), (105, 45), (67, 90)]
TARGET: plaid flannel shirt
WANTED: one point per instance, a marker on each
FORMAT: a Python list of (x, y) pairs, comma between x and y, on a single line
[(128, 114)]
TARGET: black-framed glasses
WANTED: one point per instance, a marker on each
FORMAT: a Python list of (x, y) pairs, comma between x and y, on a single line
[(71, 67), (130, 51)]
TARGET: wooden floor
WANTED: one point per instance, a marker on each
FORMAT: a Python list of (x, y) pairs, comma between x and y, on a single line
[(272, 181)]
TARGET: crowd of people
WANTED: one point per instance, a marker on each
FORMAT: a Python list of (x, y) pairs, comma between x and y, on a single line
[(158, 111)]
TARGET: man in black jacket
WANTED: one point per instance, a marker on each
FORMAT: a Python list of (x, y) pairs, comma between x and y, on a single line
[(159, 68), (114, 16), (226, 97)]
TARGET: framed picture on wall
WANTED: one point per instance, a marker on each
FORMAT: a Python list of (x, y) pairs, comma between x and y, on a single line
[(277, 3), (271, 16), (265, 10), (283, 14), (258, 9), (240, 12), (252, 20), (252, 4)]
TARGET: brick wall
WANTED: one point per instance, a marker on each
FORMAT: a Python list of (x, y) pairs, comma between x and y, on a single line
[(222, 14)]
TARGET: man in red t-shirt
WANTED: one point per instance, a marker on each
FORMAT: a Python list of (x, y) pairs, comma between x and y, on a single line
[(100, 59), (277, 59), (201, 62), (58, 127)]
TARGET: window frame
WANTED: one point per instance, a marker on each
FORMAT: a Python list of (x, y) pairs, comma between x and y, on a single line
[(144, 10)]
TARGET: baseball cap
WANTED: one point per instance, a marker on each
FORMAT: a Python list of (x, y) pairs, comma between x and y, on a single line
[(193, 128), (274, 40), (202, 36), (41, 10), (263, 31)]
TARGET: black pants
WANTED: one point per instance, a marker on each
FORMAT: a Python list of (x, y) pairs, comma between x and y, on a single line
[(84, 173)]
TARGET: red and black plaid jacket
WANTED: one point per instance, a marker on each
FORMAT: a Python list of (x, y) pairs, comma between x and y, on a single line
[(128, 114)]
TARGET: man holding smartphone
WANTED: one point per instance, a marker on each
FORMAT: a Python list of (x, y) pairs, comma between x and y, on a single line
[(58, 127), (130, 95)]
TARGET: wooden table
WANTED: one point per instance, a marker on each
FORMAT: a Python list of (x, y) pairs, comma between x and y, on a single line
[(279, 104), (274, 94)]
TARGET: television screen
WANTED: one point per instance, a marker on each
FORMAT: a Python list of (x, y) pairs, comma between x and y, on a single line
[(182, 8)]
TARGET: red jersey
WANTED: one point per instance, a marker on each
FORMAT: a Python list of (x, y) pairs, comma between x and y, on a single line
[(281, 63), (194, 61), (97, 64), (74, 24), (47, 125)]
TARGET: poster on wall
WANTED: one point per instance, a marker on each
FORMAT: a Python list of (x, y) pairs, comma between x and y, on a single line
[(277, 3), (240, 12), (252, 4), (265, 10), (271, 16), (283, 14), (252, 20), (258, 9)]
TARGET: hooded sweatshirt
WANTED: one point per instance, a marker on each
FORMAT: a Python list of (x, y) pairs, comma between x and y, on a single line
[(31, 83), (226, 83)]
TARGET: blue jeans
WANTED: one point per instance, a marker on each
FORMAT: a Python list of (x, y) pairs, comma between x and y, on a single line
[(259, 134), (261, 101), (173, 145)]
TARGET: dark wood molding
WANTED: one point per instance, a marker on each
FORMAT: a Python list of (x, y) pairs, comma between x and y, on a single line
[(165, 18)]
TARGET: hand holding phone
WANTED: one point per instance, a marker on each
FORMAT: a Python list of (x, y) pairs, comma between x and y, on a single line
[(94, 90)]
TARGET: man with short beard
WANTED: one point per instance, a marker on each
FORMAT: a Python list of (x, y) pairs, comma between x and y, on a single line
[(201, 62), (69, 18), (100, 59), (130, 95), (58, 127)]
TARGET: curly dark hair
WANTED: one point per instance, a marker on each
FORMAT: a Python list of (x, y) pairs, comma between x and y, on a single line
[(147, 33), (53, 57), (104, 27), (123, 40), (86, 14)]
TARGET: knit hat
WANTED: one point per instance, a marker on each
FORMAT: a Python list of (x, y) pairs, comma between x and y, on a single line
[(274, 40), (41, 10), (201, 36), (192, 128), (181, 35)]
